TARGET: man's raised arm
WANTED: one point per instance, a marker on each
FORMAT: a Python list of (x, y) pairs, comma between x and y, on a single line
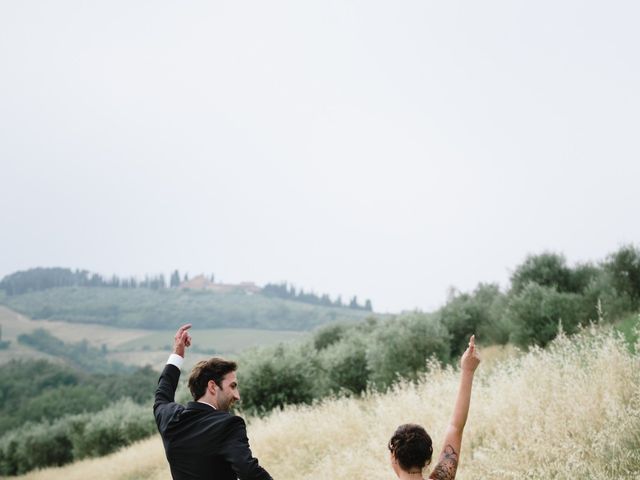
[(165, 393)]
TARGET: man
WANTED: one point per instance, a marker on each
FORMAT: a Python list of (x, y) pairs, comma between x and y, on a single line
[(203, 440)]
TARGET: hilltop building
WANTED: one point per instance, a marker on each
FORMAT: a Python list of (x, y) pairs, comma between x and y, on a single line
[(202, 283)]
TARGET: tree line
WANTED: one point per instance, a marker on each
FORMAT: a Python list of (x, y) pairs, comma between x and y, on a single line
[(37, 279), (289, 292)]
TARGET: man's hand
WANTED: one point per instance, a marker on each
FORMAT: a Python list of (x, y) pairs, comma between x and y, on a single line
[(182, 340), (470, 358)]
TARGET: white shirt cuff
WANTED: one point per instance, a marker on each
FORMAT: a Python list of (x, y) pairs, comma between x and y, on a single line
[(175, 359)]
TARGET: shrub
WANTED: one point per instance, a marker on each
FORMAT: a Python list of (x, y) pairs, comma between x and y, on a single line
[(60, 401), (328, 335), (31, 390), (401, 346), (601, 294), (345, 364), (582, 275), (273, 377), (499, 326), (34, 446), (624, 267), (537, 311), (547, 269), (465, 314), (38, 445), (119, 425)]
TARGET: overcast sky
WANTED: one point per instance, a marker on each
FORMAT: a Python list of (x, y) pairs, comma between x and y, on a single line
[(384, 149)]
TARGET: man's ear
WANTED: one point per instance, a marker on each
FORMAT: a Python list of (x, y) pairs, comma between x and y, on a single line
[(211, 386)]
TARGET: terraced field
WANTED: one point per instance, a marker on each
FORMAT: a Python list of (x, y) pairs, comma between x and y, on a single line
[(135, 346)]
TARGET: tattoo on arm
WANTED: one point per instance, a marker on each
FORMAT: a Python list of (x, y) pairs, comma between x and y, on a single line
[(447, 466)]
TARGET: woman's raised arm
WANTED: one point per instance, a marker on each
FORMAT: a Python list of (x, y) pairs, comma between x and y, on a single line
[(448, 460)]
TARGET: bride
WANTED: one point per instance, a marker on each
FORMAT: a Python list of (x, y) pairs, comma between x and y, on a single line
[(410, 445)]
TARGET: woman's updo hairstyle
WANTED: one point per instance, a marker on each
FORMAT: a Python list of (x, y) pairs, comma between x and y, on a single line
[(411, 446)]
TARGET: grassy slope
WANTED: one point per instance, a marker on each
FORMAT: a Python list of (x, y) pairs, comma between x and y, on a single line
[(134, 346), (167, 309), (14, 324), (219, 339), (572, 411), (153, 347)]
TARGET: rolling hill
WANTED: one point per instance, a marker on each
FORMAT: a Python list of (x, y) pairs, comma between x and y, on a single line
[(133, 346), (162, 309)]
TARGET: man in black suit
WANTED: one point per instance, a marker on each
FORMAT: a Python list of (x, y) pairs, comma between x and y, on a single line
[(203, 440)]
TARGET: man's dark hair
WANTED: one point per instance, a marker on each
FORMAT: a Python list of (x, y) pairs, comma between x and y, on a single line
[(213, 369), (411, 446)]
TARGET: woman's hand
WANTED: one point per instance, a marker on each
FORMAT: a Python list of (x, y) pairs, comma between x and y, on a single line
[(470, 358)]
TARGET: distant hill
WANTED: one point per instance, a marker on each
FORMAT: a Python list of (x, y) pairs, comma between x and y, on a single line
[(45, 278), (168, 308)]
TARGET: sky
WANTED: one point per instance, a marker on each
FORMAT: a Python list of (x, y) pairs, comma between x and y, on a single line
[(389, 150)]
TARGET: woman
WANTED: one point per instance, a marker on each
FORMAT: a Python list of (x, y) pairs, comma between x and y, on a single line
[(410, 446)]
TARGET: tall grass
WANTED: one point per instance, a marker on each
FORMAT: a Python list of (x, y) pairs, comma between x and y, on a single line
[(570, 411)]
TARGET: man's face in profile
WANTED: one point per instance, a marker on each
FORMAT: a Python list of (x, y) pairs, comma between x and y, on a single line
[(228, 394)]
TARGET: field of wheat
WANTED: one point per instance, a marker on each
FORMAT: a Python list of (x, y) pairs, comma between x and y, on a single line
[(570, 411)]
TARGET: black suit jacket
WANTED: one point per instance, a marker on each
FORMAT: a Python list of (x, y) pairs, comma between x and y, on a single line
[(201, 442)]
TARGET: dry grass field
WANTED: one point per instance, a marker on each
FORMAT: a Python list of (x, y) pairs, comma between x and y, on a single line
[(571, 411)]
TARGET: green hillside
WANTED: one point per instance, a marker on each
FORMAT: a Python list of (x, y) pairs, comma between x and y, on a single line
[(130, 346), (168, 308)]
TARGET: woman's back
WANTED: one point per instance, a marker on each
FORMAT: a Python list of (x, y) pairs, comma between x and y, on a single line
[(410, 445)]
